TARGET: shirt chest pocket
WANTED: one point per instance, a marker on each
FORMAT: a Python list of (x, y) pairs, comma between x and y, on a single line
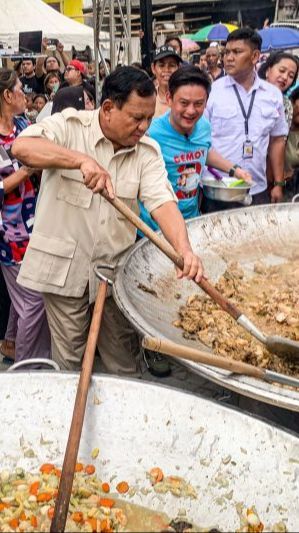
[(224, 121), (127, 192), (269, 115), (72, 189)]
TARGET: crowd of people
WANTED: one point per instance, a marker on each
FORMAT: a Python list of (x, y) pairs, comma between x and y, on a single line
[(152, 140)]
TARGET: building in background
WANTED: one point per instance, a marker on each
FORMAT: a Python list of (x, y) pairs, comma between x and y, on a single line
[(70, 8), (187, 16)]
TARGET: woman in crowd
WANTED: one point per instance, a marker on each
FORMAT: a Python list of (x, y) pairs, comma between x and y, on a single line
[(39, 102), (281, 69), (18, 194), (292, 148), (51, 84)]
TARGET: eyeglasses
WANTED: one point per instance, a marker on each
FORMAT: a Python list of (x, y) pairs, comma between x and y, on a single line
[(68, 69)]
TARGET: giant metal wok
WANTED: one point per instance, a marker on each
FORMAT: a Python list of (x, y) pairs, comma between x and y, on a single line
[(268, 233), (229, 457)]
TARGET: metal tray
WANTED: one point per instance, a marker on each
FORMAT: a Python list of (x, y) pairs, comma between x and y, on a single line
[(229, 457), (268, 232)]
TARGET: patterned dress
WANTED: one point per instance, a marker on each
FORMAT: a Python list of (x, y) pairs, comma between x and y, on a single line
[(17, 208)]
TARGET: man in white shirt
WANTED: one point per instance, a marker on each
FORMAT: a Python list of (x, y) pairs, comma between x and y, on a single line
[(247, 119)]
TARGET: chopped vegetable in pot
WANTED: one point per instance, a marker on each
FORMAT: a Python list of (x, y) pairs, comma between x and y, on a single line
[(27, 504)]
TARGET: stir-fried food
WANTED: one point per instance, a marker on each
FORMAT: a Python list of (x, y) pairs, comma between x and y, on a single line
[(270, 297), (27, 504)]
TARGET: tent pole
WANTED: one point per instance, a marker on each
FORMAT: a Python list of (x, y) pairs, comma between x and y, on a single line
[(96, 34)]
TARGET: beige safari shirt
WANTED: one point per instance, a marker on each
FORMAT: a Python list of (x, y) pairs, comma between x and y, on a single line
[(74, 229)]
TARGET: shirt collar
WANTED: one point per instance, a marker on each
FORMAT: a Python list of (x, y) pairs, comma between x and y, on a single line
[(257, 84)]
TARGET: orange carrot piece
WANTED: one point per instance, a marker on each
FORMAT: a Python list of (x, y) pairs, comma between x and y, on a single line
[(23, 516), (44, 497), (3, 506), (93, 523), (50, 512), (89, 469), (77, 517), (122, 487), (79, 467), (106, 502), (105, 526), (58, 472), (105, 487), (33, 489), (47, 468), (13, 523), (33, 521), (156, 475)]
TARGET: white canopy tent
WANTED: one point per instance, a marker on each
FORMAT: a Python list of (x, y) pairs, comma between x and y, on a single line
[(35, 15)]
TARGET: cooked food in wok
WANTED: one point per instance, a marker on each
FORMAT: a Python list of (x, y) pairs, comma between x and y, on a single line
[(269, 296), (27, 504)]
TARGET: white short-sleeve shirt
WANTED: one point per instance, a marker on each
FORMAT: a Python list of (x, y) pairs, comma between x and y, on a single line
[(267, 120)]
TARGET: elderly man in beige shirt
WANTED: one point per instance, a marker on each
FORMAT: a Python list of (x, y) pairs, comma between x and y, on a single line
[(83, 153)]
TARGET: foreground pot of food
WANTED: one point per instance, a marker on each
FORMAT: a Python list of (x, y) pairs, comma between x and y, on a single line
[(207, 462), (253, 255)]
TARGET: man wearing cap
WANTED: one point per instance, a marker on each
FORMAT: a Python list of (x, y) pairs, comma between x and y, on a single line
[(166, 60), (75, 72)]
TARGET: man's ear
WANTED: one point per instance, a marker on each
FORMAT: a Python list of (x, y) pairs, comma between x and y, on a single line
[(256, 56), (153, 68), (106, 107), (168, 98)]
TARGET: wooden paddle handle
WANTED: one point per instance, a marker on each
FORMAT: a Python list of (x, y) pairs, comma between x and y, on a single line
[(199, 356), (71, 453), (168, 250)]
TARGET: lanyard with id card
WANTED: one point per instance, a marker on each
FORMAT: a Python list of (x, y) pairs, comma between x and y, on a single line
[(247, 151)]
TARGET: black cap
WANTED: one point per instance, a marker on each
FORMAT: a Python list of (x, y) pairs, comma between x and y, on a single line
[(166, 51)]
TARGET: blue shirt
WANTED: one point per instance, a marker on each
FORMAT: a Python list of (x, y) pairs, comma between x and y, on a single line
[(185, 158)]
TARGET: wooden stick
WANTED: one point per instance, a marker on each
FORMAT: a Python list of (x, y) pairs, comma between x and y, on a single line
[(168, 250), (71, 452), (199, 356)]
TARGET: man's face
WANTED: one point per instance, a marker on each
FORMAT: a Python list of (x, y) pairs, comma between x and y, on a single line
[(212, 56), (72, 76), (127, 125), (176, 45), (28, 67), (186, 107), (239, 58), (163, 68), (52, 64), (203, 62)]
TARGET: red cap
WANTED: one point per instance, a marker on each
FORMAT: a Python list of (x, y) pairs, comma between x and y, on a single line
[(78, 65)]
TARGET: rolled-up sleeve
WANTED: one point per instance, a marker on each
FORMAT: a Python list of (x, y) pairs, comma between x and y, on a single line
[(52, 128), (155, 188)]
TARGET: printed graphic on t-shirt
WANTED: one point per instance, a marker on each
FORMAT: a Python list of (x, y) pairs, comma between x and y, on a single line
[(188, 180)]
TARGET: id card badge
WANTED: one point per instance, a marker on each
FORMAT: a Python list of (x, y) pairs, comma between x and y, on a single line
[(247, 149)]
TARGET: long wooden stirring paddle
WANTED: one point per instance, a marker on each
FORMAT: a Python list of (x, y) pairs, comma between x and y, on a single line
[(71, 452), (181, 351)]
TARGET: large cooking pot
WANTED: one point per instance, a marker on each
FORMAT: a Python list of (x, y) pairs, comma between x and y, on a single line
[(227, 456), (268, 233)]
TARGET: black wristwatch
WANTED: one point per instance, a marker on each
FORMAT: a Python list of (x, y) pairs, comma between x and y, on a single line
[(232, 170)]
